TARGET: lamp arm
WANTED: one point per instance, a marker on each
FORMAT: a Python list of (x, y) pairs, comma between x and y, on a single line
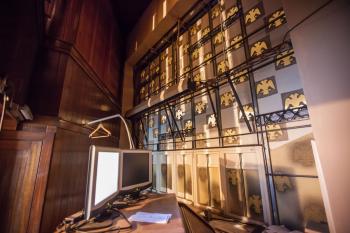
[(131, 142)]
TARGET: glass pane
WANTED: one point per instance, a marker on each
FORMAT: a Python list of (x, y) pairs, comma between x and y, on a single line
[(252, 186), (234, 185), (163, 172), (184, 176), (300, 203), (291, 150), (141, 139), (255, 207), (154, 172), (202, 179), (153, 130), (214, 175), (169, 171), (243, 186), (188, 175), (180, 178)]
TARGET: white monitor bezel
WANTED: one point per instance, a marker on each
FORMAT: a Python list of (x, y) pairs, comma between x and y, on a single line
[(90, 207), (140, 185)]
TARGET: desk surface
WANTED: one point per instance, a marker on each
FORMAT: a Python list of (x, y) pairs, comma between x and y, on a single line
[(156, 203)]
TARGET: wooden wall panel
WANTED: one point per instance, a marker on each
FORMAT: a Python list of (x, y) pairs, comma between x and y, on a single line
[(92, 102), (112, 68), (65, 20), (112, 76), (102, 47), (97, 57), (66, 185), (47, 85), (67, 179), (85, 31), (77, 78), (19, 161), (41, 181), (85, 34), (24, 164)]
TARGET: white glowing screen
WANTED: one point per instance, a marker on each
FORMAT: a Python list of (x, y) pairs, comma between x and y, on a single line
[(107, 175)]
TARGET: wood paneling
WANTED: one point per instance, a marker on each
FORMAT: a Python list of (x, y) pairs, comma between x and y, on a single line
[(24, 163), (102, 50), (92, 104), (66, 186), (67, 177), (19, 161), (77, 79), (86, 32), (47, 85), (64, 19), (41, 181)]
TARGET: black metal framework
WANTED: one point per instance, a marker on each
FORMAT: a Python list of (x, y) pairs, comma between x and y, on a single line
[(256, 125), (293, 114)]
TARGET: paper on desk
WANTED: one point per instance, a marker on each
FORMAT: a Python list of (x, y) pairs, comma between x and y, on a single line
[(150, 217)]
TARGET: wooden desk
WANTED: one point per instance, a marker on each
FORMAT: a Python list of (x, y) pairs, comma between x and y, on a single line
[(156, 203)]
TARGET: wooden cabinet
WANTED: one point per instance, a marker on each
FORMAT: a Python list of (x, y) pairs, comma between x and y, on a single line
[(24, 165)]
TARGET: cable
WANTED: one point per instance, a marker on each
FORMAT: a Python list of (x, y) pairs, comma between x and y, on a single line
[(306, 18), (112, 228), (122, 214), (67, 227)]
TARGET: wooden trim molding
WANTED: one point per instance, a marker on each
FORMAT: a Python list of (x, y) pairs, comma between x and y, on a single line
[(41, 181)]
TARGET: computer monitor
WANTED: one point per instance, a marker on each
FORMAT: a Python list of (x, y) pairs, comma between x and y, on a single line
[(135, 170), (102, 179)]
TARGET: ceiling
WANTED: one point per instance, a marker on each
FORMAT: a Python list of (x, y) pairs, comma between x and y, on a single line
[(127, 13)]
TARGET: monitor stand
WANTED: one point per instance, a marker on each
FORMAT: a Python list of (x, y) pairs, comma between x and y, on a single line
[(104, 220), (135, 195)]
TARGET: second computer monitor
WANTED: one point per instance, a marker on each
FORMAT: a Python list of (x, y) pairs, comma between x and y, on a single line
[(136, 170)]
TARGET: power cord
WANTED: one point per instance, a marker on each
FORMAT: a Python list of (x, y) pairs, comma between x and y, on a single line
[(76, 227), (112, 228)]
